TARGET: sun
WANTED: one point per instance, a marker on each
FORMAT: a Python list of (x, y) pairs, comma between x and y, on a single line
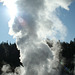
[(12, 8), (12, 11)]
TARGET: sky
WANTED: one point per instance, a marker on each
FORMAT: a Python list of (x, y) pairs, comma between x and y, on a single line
[(4, 29), (67, 18), (37, 20)]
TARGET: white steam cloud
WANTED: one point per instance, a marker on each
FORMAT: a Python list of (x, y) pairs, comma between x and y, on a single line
[(35, 21)]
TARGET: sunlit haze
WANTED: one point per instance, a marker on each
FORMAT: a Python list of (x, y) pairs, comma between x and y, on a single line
[(40, 22), (12, 8)]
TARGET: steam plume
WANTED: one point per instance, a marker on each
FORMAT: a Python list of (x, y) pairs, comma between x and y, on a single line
[(35, 21)]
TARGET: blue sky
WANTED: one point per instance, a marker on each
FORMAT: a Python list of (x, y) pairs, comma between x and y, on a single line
[(4, 29), (67, 17)]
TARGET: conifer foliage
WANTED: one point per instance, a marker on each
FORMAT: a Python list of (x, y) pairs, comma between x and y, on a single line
[(9, 54)]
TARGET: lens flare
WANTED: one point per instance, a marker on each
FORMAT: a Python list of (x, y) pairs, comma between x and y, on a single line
[(22, 21)]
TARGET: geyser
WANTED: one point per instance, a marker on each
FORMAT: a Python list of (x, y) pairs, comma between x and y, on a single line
[(36, 20)]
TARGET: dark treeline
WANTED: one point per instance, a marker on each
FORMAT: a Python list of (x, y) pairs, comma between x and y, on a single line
[(9, 54), (66, 57)]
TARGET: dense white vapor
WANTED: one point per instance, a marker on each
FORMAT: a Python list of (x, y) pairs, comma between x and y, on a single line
[(6, 69), (35, 21)]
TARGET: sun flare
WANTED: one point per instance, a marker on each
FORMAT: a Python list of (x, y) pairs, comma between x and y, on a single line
[(12, 8), (12, 11)]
